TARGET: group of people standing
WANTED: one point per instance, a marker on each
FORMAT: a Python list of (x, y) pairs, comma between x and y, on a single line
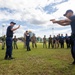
[(14, 40), (57, 41), (54, 42), (28, 39)]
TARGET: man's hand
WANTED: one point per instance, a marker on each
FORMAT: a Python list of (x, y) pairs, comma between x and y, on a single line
[(13, 29), (18, 27), (53, 20)]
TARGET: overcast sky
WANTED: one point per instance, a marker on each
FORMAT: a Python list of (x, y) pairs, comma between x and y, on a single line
[(34, 15)]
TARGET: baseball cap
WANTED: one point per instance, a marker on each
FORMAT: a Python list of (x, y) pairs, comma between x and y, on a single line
[(68, 12), (12, 23)]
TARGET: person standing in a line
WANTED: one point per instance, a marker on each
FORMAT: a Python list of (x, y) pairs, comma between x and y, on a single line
[(57, 41), (62, 41), (9, 36), (54, 41), (59, 38), (50, 42), (3, 42), (67, 40), (15, 42), (33, 39), (44, 42)]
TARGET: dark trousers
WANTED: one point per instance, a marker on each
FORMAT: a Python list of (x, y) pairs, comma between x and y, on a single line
[(62, 44), (73, 48), (50, 44), (67, 44), (8, 47), (28, 45)]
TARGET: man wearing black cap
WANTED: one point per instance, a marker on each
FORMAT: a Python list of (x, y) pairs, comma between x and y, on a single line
[(69, 21), (9, 35)]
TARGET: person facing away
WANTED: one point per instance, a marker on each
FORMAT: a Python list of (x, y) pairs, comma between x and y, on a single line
[(28, 41), (33, 39), (15, 42), (3, 42), (9, 35), (69, 21), (50, 42), (44, 42)]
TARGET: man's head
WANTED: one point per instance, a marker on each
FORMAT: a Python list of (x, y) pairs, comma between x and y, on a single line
[(26, 31), (58, 34), (54, 35), (44, 36), (61, 34), (50, 35), (12, 23), (68, 13), (66, 34)]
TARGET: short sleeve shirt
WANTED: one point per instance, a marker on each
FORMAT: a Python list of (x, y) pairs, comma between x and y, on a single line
[(72, 18), (9, 32)]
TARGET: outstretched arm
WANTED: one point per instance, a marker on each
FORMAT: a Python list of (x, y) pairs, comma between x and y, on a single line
[(62, 22), (13, 29)]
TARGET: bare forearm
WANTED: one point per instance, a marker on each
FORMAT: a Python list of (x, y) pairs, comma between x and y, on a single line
[(14, 29), (63, 24), (60, 21)]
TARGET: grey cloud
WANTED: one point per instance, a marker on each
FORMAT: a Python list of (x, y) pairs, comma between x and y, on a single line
[(37, 22)]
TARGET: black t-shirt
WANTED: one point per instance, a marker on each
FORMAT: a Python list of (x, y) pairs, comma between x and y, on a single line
[(9, 32), (72, 18), (27, 38)]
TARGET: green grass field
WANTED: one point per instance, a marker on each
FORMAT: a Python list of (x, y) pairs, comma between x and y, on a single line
[(40, 61)]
